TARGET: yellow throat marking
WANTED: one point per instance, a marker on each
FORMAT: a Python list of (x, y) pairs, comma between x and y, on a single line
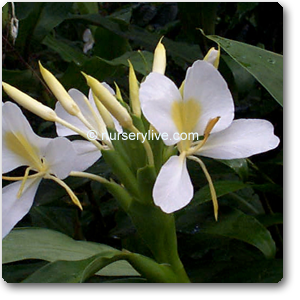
[(185, 115), (18, 144)]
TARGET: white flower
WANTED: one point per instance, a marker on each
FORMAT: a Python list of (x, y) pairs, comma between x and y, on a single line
[(203, 106), (88, 41), (48, 158), (88, 152), (89, 110)]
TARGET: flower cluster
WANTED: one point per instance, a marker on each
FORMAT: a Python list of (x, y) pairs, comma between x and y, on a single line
[(202, 104)]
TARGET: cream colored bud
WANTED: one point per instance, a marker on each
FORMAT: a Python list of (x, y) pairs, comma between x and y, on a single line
[(134, 91), (118, 93), (106, 116), (109, 101), (59, 92), (213, 57), (29, 103), (159, 60)]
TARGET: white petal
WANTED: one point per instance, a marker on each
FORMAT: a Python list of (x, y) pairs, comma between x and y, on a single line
[(88, 39), (87, 35), (87, 155), (14, 122), (79, 99), (245, 137), (88, 46), (173, 188), (205, 84), (61, 157), (13, 209), (157, 94), (108, 87)]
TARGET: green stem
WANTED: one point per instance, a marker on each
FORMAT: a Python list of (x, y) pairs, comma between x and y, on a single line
[(145, 143)]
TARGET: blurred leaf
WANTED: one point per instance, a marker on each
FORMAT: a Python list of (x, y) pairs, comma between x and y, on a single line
[(71, 271), (222, 188), (240, 166), (56, 218), (23, 79), (265, 66), (261, 271), (78, 271), (141, 61), (127, 280), (43, 17), (109, 45), (198, 15), (45, 244), (232, 224), (5, 15), (270, 220), (66, 51), (18, 271), (104, 69), (243, 80), (87, 7), (181, 52)]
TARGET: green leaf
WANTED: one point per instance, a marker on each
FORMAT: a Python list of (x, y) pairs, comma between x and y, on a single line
[(87, 7), (265, 66), (66, 51), (232, 224), (49, 245), (235, 224), (79, 271), (222, 188), (115, 45), (180, 52), (270, 220), (240, 166), (141, 61), (42, 18), (71, 271), (23, 79)]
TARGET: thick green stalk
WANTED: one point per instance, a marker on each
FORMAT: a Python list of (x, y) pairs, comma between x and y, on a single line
[(156, 228)]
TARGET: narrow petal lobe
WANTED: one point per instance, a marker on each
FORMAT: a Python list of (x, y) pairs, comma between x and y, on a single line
[(244, 138), (13, 208), (173, 188)]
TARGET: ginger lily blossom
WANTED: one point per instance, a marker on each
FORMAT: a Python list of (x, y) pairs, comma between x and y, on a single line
[(47, 158), (92, 109), (89, 107), (201, 110)]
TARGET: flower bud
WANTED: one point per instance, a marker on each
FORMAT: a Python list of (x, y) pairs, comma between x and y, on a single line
[(134, 91), (29, 103), (59, 92), (213, 57), (106, 116), (159, 60), (109, 101)]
